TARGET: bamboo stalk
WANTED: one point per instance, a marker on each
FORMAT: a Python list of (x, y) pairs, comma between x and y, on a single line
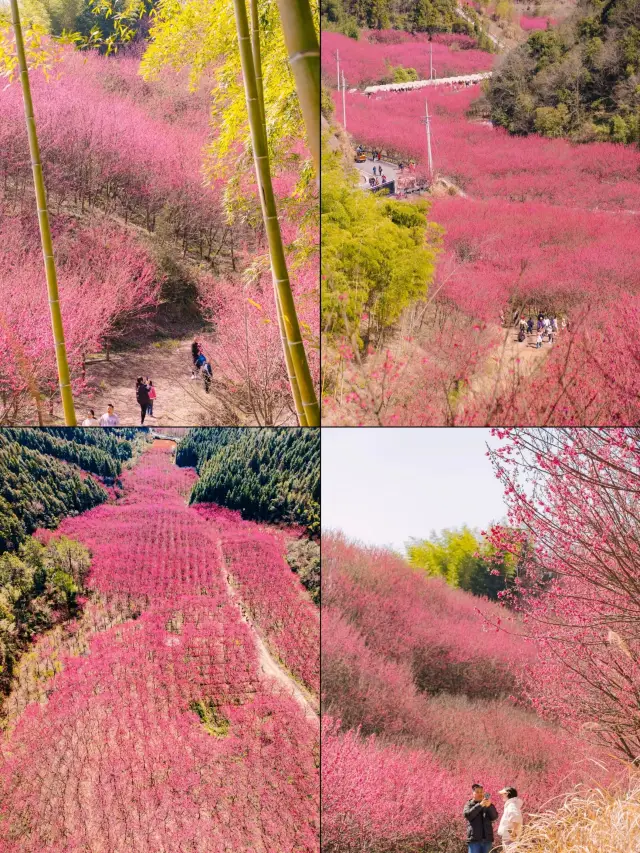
[(45, 230), (272, 226), (257, 62), (304, 58)]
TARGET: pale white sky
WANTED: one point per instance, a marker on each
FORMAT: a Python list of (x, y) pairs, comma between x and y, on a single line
[(383, 486)]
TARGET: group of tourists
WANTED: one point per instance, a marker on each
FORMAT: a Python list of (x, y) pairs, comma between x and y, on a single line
[(201, 365), (146, 392), (381, 175), (145, 396), (545, 328), (480, 814)]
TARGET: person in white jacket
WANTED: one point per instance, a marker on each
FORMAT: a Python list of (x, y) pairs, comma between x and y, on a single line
[(510, 825)]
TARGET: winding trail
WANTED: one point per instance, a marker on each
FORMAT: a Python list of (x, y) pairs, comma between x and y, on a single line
[(268, 664)]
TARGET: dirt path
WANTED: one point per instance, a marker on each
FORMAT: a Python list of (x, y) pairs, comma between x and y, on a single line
[(269, 666), (510, 362), (180, 400)]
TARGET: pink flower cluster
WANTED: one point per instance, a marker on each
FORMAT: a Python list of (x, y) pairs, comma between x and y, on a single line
[(574, 495), (119, 758), (99, 298)]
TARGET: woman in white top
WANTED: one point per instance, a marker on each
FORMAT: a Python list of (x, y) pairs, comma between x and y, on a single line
[(510, 825), (91, 420)]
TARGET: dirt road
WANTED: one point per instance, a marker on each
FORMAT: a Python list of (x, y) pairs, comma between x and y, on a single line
[(180, 401)]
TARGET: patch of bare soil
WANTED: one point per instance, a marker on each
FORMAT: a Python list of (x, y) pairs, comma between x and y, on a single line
[(509, 363)]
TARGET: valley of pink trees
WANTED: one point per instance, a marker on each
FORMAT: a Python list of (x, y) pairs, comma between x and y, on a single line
[(367, 62), (123, 162), (534, 224), (424, 693), (163, 734)]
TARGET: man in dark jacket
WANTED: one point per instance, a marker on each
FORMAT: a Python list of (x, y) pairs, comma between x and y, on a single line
[(479, 813)]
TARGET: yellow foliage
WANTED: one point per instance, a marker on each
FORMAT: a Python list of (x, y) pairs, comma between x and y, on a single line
[(201, 36)]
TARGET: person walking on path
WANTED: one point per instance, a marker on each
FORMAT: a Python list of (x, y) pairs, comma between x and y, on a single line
[(152, 397), (539, 340), (510, 825), (91, 420), (142, 396), (206, 375), (110, 418), (196, 349), (479, 814)]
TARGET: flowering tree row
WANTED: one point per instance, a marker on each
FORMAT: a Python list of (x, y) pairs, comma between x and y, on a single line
[(100, 149), (460, 40), (529, 23), (274, 598), (486, 162), (159, 733), (365, 63)]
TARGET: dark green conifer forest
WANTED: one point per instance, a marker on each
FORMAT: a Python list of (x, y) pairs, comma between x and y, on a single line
[(45, 475), (268, 474)]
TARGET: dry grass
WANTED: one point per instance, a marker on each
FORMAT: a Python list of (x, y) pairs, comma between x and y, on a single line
[(589, 821)]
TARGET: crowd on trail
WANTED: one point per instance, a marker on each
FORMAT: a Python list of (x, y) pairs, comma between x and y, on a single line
[(146, 392), (545, 328), (480, 815)]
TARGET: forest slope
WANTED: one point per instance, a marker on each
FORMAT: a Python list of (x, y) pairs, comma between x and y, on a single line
[(580, 79)]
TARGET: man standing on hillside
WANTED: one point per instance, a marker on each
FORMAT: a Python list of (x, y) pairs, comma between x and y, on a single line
[(480, 813)]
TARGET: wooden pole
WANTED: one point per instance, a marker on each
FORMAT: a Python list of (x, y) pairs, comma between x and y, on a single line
[(272, 226), (430, 158), (45, 230)]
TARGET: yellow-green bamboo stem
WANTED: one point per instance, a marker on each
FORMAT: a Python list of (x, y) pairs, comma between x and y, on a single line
[(272, 226), (304, 57), (257, 64), (45, 231)]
